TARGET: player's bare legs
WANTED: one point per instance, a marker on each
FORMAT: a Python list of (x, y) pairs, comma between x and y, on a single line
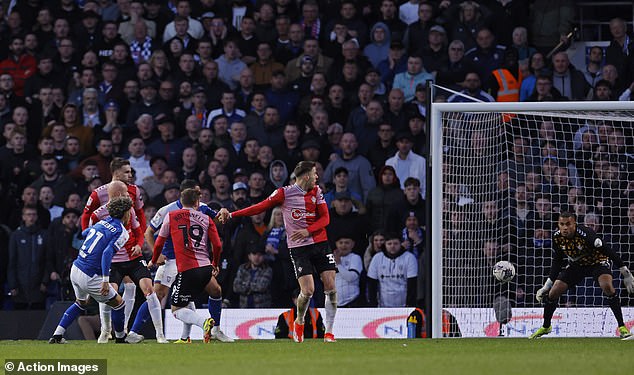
[(328, 278), (307, 289)]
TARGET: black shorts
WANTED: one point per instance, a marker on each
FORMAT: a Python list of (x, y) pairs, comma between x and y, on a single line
[(136, 269), (573, 274), (312, 258), (189, 285)]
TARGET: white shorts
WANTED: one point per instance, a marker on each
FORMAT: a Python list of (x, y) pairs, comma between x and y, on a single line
[(166, 274), (85, 286)]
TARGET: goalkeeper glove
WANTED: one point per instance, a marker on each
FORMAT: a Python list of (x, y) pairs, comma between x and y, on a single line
[(628, 279), (543, 292)]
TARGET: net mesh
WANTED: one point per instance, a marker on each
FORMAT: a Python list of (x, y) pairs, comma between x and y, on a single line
[(506, 177)]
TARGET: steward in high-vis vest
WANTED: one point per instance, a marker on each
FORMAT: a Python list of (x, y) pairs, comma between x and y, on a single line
[(416, 325), (313, 324), (506, 81)]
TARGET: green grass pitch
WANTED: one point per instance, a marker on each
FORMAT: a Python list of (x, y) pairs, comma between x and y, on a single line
[(357, 357)]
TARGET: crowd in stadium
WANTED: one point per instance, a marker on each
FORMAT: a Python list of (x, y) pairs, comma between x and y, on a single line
[(234, 93)]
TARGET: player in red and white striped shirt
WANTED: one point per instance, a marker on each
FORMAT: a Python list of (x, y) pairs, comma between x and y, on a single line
[(190, 231), (306, 216), (121, 171)]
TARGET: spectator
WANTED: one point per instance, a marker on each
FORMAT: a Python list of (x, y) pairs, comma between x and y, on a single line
[(361, 178), (376, 244), (545, 92), (364, 126), (418, 29), (46, 196), (223, 191), (414, 75), (346, 222), (406, 162), (593, 67), (51, 176), (311, 49), (550, 23), (20, 65), (167, 145), (229, 64), (228, 109), (466, 19), (340, 185), (253, 281), (385, 195), (103, 159), (150, 103), (619, 49), (395, 63), (472, 88), (435, 55), (567, 79), (392, 276), (60, 253), (486, 56), (194, 27), (536, 67), (27, 260), (348, 278)]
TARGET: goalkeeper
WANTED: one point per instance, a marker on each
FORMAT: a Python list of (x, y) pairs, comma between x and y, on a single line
[(587, 255)]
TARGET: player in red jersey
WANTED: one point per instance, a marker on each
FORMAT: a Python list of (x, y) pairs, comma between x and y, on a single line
[(129, 262), (190, 231), (305, 217), (121, 171)]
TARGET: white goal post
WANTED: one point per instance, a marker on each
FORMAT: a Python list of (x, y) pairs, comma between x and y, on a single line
[(499, 117)]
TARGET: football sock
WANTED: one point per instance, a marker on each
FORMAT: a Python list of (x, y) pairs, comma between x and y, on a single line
[(118, 316), (549, 309), (155, 312), (615, 304), (104, 315), (186, 315), (142, 316), (215, 309), (69, 317), (129, 291), (331, 309), (187, 328), (302, 307)]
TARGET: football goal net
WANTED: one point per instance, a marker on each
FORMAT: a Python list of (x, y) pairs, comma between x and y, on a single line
[(501, 173)]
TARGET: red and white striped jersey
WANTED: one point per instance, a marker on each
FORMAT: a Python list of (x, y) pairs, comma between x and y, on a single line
[(99, 197), (300, 209), (191, 232), (134, 231)]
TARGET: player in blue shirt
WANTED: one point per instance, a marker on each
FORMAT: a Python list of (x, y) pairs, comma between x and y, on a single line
[(166, 274), (90, 273)]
